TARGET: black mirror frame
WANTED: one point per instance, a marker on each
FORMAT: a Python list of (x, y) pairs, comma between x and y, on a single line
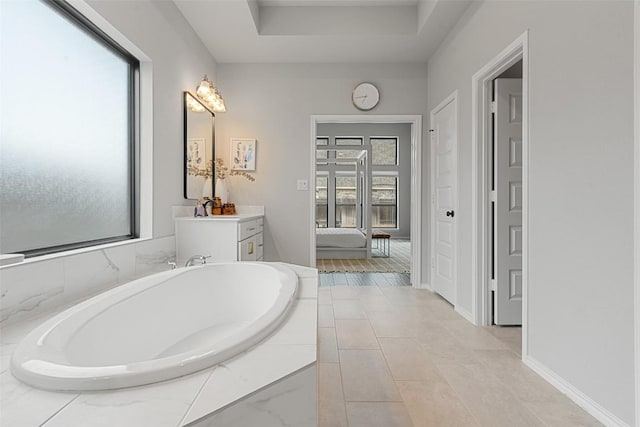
[(185, 126)]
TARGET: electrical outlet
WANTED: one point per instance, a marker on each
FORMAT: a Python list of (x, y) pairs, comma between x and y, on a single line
[(303, 185)]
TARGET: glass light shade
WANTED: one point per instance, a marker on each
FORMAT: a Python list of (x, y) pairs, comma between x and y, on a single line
[(219, 106), (209, 94), (194, 106), (204, 89)]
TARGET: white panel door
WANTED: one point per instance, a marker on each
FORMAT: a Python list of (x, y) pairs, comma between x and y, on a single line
[(507, 298), (444, 139)]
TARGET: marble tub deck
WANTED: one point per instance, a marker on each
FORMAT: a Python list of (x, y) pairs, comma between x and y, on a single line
[(288, 357)]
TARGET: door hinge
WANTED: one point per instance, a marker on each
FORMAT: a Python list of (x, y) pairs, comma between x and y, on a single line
[(494, 285), (493, 196), (493, 106)]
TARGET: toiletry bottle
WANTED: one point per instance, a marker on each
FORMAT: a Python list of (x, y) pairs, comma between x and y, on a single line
[(199, 209)]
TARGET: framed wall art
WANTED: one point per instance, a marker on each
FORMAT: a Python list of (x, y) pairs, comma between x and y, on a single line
[(243, 154)]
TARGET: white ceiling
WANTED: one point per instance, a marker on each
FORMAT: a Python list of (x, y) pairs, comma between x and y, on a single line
[(322, 31), (336, 2)]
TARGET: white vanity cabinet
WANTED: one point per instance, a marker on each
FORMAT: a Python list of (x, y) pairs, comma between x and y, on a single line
[(225, 238), (250, 240)]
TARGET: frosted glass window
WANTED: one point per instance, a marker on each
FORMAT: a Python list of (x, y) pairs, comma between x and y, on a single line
[(66, 140)]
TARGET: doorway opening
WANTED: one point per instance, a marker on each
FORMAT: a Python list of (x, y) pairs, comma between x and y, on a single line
[(378, 208), (505, 200), (500, 191)]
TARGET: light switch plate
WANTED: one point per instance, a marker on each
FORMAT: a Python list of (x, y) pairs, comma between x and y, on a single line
[(303, 185)]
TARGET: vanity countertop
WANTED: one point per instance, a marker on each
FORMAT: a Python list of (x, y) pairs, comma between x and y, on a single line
[(244, 213), (239, 217), (177, 402)]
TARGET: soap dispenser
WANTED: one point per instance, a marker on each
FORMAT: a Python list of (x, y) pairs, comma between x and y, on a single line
[(199, 209)]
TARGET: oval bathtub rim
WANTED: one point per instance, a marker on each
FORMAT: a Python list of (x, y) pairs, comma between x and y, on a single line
[(197, 360)]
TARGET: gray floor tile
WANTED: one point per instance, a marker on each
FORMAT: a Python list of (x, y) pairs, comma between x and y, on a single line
[(396, 356)]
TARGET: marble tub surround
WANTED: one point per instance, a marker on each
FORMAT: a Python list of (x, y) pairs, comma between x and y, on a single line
[(39, 285), (196, 399), (288, 402), (6, 259)]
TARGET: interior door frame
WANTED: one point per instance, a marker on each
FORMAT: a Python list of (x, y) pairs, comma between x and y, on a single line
[(481, 83), (416, 180), (453, 97), (636, 215)]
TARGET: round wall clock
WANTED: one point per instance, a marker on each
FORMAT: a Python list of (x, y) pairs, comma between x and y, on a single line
[(365, 96)]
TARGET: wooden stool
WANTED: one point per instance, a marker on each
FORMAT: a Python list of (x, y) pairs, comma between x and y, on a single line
[(383, 243)]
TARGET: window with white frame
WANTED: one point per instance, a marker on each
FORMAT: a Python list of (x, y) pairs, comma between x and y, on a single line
[(322, 201), (384, 201), (342, 208), (346, 199), (322, 154), (342, 140), (384, 151), (347, 154), (384, 188), (68, 150)]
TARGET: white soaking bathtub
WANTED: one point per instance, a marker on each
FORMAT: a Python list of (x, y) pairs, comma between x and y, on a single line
[(156, 328)]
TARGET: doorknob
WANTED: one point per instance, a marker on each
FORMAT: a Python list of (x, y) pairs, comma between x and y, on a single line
[(451, 213)]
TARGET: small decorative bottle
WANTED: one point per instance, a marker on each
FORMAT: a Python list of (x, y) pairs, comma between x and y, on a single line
[(199, 209)]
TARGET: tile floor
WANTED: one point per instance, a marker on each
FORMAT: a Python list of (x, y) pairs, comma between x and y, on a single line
[(391, 355)]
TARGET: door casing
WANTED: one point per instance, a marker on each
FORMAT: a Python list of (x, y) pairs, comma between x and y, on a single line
[(416, 180), (637, 204)]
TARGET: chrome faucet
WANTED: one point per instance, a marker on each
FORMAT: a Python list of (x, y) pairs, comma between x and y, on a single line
[(202, 258)]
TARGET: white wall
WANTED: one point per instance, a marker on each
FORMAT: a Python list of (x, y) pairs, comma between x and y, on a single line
[(273, 103), (580, 182), (179, 60)]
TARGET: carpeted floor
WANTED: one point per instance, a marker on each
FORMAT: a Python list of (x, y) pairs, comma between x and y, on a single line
[(398, 262)]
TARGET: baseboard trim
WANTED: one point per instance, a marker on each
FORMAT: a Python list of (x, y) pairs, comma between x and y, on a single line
[(464, 313), (581, 399), (423, 286)]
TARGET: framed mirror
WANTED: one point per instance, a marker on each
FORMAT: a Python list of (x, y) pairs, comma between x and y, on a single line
[(199, 148)]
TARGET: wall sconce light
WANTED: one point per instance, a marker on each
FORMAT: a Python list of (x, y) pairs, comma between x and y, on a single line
[(209, 94), (194, 105)]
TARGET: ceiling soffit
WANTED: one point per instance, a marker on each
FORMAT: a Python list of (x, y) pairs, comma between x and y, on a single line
[(289, 31), (337, 20)]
